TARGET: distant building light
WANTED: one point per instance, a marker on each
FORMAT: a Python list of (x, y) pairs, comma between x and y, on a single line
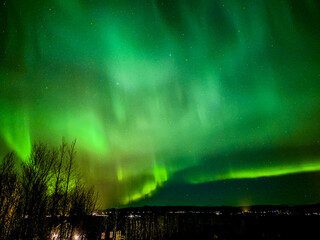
[(55, 236)]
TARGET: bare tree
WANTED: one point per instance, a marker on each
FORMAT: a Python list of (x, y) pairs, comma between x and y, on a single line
[(70, 170), (37, 172), (48, 183), (58, 179), (9, 197)]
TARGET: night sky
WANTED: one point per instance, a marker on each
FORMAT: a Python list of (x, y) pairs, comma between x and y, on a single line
[(184, 102)]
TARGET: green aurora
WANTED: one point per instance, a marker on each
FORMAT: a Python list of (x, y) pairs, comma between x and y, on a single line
[(164, 92)]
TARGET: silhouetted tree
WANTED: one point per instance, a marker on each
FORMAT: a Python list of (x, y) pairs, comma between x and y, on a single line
[(35, 178), (48, 184), (58, 180), (9, 197)]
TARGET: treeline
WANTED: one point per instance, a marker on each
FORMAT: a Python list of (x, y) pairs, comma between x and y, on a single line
[(43, 197)]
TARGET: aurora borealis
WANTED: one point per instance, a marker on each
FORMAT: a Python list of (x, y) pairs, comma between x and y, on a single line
[(172, 102)]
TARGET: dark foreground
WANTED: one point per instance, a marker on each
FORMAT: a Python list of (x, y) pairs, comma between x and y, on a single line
[(167, 223)]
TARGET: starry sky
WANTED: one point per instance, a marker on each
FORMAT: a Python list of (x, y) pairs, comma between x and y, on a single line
[(180, 102)]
